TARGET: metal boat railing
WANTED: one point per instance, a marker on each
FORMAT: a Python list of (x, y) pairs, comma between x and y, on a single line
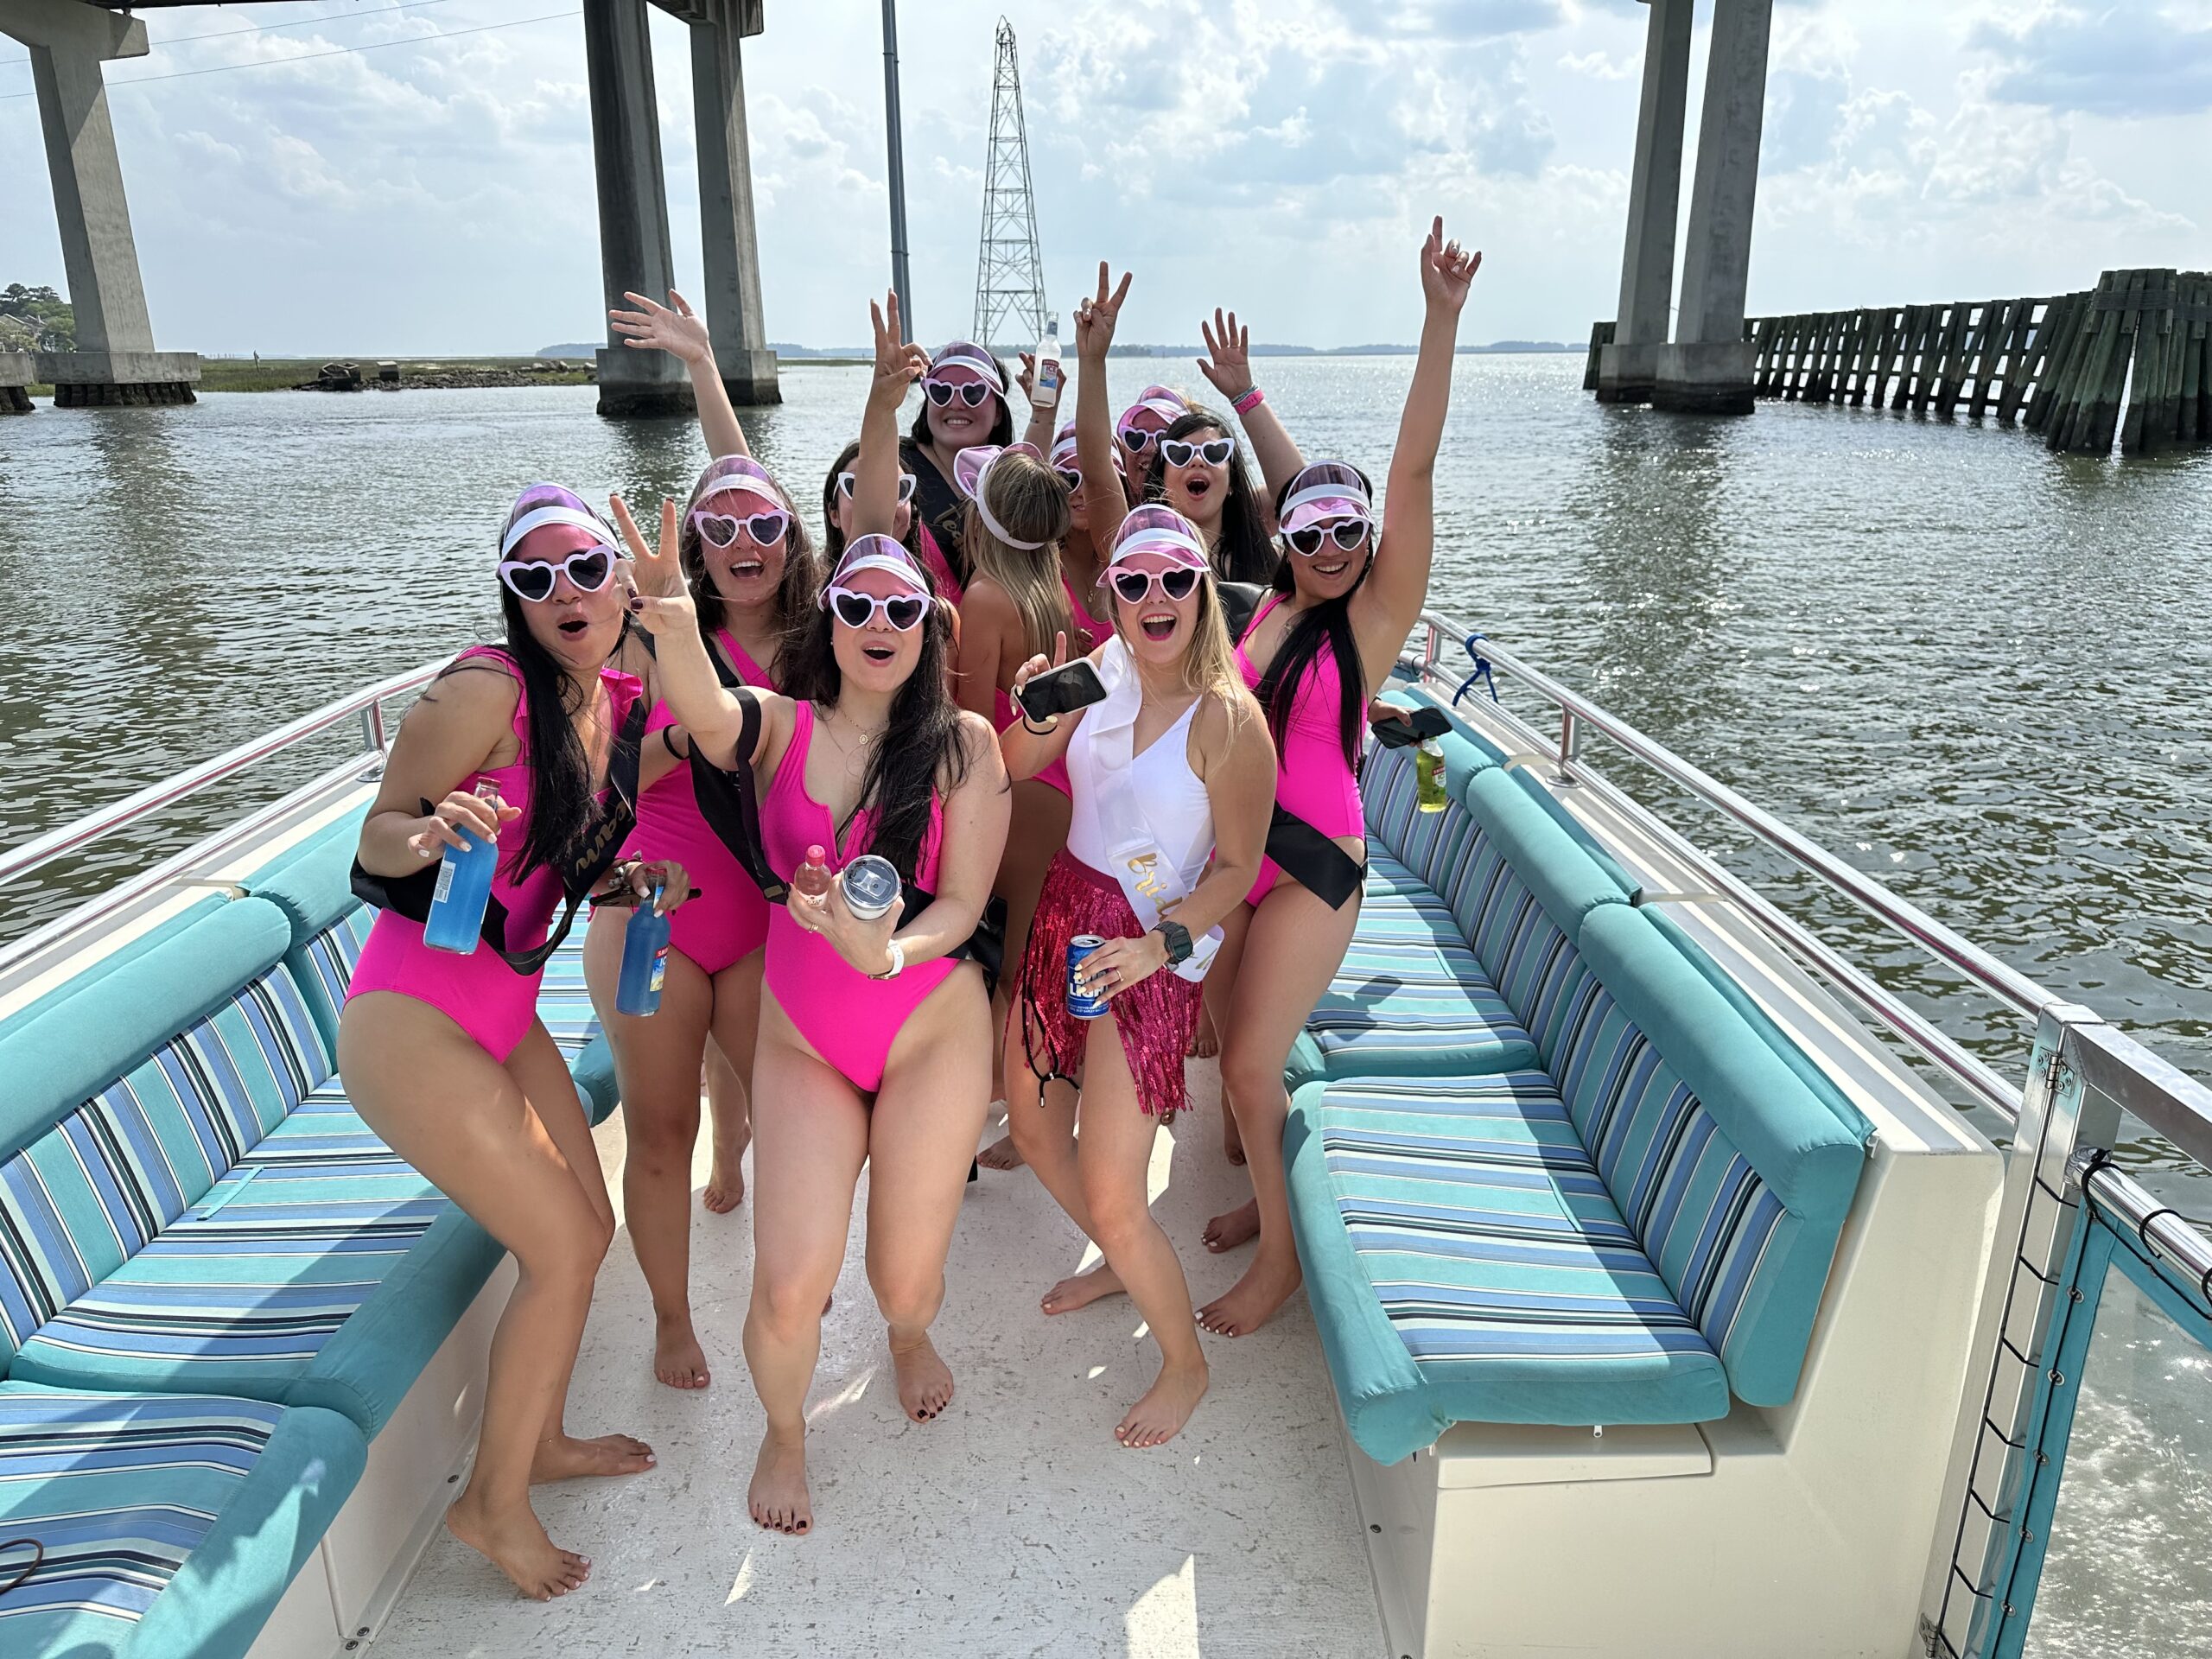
[(2067, 1213), (365, 705)]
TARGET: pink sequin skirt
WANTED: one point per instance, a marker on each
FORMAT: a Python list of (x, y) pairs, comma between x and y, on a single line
[(1156, 1018)]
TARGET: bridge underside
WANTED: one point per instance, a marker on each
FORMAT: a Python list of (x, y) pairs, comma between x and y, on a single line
[(115, 362), (1695, 359)]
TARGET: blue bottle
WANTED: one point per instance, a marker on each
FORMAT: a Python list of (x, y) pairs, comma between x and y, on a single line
[(464, 884), (645, 958)]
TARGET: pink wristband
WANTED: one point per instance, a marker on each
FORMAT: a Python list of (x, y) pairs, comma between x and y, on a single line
[(1250, 401)]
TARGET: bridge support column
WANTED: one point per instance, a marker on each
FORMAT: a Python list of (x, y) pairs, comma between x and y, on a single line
[(115, 361), (1709, 367), (1627, 369), (15, 376), (729, 237), (633, 204)]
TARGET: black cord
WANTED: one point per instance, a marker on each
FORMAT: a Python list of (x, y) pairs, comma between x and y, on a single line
[(37, 1560)]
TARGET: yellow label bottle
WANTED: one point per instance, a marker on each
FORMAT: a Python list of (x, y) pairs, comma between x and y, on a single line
[(1428, 776)]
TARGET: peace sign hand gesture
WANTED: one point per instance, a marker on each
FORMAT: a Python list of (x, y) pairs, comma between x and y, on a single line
[(654, 573), (898, 364), (652, 327), (1229, 362), (1446, 269), (1095, 318)]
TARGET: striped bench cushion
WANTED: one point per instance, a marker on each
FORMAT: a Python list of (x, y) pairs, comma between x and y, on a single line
[(1484, 1233), (93, 1190), (130, 1493), (324, 1130), (1410, 996), (1723, 1240), (324, 965), (241, 1293), (563, 1002), (1535, 966)]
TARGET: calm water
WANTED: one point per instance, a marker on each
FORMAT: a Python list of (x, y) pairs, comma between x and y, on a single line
[(1973, 668)]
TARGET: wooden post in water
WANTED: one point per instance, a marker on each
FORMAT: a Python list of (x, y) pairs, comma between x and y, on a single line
[(2127, 362)]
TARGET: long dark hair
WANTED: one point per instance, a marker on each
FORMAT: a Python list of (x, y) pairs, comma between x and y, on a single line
[(795, 593), (564, 814), (919, 753), (833, 536), (1244, 553), (1328, 624)]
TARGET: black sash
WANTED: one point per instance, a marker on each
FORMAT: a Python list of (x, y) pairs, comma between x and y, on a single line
[(1316, 863), (1240, 601), (410, 895)]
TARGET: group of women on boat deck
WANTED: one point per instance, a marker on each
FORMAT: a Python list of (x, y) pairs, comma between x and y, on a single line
[(712, 717)]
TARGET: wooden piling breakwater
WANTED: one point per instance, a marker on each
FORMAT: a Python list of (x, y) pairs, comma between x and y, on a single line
[(2130, 359)]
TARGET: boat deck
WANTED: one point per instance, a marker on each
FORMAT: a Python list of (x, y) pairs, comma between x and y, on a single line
[(1014, 1525)]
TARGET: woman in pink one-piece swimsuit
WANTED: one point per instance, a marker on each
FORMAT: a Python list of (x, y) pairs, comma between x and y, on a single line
[(443, 1055)]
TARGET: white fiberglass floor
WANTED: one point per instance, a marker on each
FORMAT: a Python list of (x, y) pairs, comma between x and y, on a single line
[(1014, 1525)]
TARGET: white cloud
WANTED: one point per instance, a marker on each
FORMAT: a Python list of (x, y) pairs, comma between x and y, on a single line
[(1281, 154)]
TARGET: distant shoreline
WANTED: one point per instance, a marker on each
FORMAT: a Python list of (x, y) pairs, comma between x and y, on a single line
[(573, 369)]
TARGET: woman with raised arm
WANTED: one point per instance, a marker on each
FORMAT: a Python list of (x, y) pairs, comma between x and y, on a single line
[(746, 560), (531, 744), (873, 1033), (963, 404), (1228, 365), (1171, 776), (1343, 600)]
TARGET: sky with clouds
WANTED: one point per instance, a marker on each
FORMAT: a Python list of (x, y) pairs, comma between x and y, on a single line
[(1280, 156)]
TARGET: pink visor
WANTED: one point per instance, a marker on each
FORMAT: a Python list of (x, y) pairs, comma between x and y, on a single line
[(1062, 458), (876, 553), (738, 475), (1162, 530), (1324, 490), (966, 354), (1161, 401)]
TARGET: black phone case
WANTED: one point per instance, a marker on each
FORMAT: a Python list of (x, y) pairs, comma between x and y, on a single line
[(1065, 694)]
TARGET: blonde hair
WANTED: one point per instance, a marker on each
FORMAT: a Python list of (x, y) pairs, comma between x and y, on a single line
[(1028, 497)]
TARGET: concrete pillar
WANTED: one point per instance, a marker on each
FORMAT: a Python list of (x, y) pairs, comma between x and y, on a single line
[(1628, 368), (633, 204), (115, 361), (728, 237), (1709, 367), (15, 376)]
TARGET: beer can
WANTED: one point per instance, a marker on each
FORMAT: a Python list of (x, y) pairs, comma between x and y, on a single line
[(1083, 1005)]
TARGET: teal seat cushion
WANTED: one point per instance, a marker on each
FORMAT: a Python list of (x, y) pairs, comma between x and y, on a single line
[(311, 883), (1466, 1263), (82, 1200), (1410, 996), (77, 1043), (323, 1270), (172, 1524), (1735, 1177), (322, 965)]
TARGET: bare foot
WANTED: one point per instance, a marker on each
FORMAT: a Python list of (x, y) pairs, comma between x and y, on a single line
[(1167, 1406), (779, 1498), (924, 1380), (1082, 1290), (1267, 1284), (1205, 1043), (678, 1360), (566, 1458), (1002, 1153), (1232, 1227), (1232, 1138), (725, 1183), (516, 1544)]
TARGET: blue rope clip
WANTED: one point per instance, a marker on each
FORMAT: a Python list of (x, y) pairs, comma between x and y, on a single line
[(1482, 673)]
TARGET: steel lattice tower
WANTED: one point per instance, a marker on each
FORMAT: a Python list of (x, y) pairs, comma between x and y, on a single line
[(1010, 271)]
